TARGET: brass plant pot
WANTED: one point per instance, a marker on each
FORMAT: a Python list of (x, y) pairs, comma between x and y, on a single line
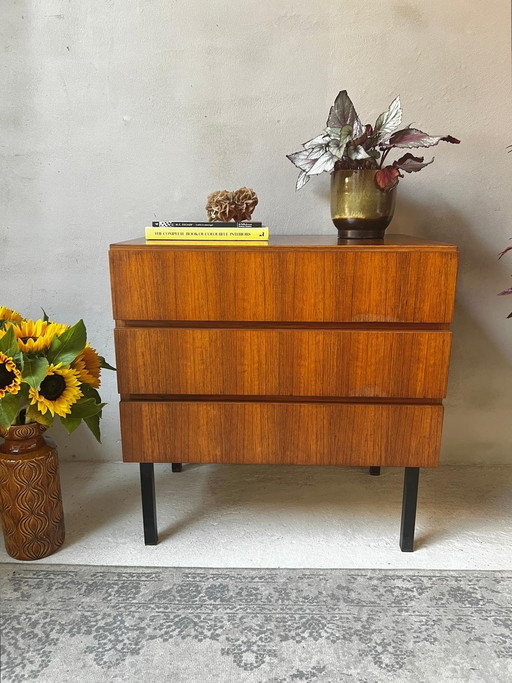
[(30, 494), (359, 208)]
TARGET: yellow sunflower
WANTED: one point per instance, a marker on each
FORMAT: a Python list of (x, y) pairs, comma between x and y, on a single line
[(10, 376), (87, 364), (9, 314), (36, 335), (57, 392)]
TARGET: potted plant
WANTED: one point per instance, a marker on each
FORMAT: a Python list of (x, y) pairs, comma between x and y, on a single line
[(47, 370), (363, 182)]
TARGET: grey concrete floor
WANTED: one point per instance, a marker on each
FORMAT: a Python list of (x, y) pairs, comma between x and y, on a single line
[(312, 517)]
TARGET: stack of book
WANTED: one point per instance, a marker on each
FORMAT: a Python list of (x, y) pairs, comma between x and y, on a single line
[(198, 231)]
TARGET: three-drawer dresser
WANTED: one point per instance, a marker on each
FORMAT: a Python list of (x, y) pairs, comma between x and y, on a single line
[(299, 351)]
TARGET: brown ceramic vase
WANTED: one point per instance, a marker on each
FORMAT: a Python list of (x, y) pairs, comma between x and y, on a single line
[(30, 494)]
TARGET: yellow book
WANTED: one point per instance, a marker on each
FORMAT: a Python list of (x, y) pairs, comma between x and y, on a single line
[(207, 234), (220, 243)]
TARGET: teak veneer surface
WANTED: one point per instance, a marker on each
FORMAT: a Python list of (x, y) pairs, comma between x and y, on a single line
[(283, 362), (299, 351), (281, 433), (291, 279)]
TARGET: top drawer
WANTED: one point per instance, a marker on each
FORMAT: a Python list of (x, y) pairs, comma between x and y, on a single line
[(339, 284)]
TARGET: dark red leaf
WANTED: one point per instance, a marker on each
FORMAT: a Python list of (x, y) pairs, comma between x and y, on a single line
[(506, 291), (410, 163), (387, 178), (450, 138)]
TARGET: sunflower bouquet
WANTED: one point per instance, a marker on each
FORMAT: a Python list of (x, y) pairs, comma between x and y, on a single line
[(48, 369)]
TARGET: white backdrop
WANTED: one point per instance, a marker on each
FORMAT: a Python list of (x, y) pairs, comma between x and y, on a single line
[(116, 113)]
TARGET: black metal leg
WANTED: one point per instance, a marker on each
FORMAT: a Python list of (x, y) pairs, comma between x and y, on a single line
[(177, 466), (409, 501), (375, 471), (147, 489)]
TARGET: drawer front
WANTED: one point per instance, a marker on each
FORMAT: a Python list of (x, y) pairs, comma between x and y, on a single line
[(282, 362), (314, 286), (281, 433)]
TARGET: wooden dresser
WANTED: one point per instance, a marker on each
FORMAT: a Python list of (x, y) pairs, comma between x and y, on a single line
[(300, 351)]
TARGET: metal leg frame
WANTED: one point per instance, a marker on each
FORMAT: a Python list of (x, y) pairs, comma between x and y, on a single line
[(409, 501), (147, 488)]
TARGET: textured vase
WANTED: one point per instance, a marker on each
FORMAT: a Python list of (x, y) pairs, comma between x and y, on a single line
[(30, 494), (359, 208)]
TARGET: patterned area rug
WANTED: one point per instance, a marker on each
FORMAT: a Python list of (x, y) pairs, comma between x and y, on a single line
[(88, 623)]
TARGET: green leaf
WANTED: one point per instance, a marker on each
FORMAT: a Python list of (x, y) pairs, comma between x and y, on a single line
[(9, 343), (68, 345), (94, 425), (33, 415), (70, 423), (90, 392), (8, 410), (34, 370), (86, 407), (45, 316), (104, 364), (19, 360)]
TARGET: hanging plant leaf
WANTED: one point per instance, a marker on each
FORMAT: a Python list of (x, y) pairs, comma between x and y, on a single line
[(70, 423), (387, 178), (389, 120), (411, 164), (85, 407), (93, 423), (412, 137), (302, 180)]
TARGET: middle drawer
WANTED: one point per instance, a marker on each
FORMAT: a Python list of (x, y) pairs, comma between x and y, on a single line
[(282, 362)]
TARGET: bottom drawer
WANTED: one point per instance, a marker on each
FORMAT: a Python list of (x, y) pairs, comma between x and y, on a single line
[(281, 433)]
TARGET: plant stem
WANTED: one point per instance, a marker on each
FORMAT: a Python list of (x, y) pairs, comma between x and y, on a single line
[(384, 155)]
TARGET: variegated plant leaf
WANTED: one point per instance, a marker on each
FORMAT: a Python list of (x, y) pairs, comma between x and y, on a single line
[(324, 163), (388, 121), (411, 164), (412, 137), (337, 145), (343, 113), (306, 158), (302, 180), (321, 139), (357, 152), (506, 291)]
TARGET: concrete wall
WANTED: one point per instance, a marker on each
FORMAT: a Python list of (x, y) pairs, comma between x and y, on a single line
[(115, 113)]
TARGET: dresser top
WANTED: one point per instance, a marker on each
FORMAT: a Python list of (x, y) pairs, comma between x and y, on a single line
[(306, 242)]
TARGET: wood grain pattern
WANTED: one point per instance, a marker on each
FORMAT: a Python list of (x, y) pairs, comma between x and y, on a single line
[(283, 362), (329, 284), (281, 433)]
